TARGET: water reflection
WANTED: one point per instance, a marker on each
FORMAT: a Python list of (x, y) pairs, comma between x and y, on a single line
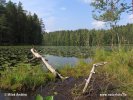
[(59, 61), (57, 57)]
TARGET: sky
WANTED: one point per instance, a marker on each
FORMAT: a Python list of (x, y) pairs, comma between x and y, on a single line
[(67, 14)]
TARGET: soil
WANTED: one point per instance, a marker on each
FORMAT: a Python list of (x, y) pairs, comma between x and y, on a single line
[(71, 89)]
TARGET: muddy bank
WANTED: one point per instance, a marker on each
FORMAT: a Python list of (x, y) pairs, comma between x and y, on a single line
[(71, 89)]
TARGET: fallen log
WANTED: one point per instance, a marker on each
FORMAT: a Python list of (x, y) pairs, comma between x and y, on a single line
[(48, 66), (92, 72)]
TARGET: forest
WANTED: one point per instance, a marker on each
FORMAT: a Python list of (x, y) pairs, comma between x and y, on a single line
[(18, 26), (60, 65), (83, 37)]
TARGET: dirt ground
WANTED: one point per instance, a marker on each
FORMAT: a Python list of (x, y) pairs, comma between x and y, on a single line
[(71, 89)]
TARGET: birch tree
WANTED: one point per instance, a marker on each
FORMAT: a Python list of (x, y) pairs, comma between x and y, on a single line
[(109, 11)]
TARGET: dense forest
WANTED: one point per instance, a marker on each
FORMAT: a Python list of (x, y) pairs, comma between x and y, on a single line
[(83, 37), (18, 26)]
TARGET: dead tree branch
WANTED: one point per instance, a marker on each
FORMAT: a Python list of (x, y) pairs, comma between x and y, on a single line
[(92, 72), (48, 66)]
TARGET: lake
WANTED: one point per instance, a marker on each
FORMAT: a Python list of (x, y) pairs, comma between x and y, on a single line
[(57, 56)]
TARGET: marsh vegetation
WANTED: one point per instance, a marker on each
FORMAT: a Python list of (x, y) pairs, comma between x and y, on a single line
[(19, 74), (28, 76)]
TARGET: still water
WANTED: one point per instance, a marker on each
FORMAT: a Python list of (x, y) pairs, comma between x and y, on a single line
[(59, 61), (57, 56)]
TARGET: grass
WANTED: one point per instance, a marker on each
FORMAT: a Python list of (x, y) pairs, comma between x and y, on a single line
[(119, 71), (79, 70), (119, 68), (23, 78)]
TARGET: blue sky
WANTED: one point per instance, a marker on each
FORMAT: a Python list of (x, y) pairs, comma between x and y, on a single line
[(66, 14)]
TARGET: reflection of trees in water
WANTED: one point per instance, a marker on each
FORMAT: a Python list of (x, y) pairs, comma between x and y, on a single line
[(70, 51), (10, 56)]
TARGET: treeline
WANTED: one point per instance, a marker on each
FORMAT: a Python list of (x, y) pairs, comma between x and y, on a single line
[(83, 37), (17, 26)]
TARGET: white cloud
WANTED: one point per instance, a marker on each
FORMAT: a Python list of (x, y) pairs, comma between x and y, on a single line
[(63, 8), (130, 18), (98, 24), (47, 31), (88, 1)]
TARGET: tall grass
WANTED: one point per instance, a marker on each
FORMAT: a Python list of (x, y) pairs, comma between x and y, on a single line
[(119, 68), (119, 71), (23, 77)]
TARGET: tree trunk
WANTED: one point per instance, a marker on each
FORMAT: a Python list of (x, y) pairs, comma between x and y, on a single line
[(48, 66)]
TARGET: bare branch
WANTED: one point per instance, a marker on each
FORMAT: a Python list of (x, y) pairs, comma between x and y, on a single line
[(49, 67), (92, 72)]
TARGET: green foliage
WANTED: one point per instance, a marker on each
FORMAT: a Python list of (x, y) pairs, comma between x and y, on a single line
[(49, 98), (79, 70), (118, 70), (100, 54), (84, 37), (109, 10), (39, 97), (17, 26), (12, 55), (23, 77)]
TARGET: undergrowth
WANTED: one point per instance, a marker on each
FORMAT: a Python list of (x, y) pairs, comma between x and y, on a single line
[(23, 77), (118, 70)]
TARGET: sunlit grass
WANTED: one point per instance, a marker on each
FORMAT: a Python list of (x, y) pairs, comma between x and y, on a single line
[(24, 77), (119, 68), (119, 71)]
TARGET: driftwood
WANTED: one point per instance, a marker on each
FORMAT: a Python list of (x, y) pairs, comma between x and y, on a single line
[(48, 66), (92, 72)]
